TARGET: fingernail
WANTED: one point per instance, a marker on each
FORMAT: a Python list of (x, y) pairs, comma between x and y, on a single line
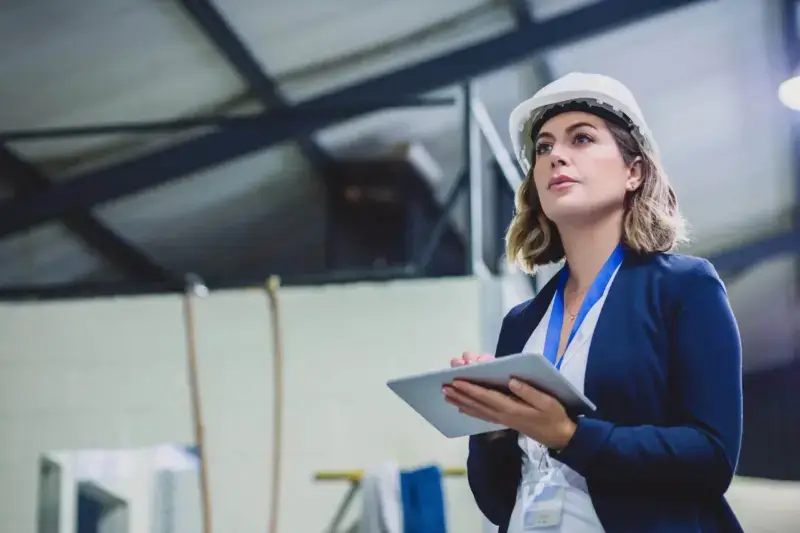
[(514, 384)]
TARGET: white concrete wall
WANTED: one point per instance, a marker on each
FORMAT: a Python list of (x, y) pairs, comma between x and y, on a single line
[(765, 506), (112, 374)]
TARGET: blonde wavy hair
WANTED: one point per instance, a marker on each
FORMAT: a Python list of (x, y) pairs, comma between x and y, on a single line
[(652, 221)]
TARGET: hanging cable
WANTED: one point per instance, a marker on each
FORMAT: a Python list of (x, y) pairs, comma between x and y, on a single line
[(195, 287), (272, 285)]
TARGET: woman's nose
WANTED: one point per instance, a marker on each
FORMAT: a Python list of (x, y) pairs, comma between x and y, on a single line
[(556, 156), (556, 160)]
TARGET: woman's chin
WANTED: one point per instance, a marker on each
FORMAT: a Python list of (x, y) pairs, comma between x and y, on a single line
[(567, 210)]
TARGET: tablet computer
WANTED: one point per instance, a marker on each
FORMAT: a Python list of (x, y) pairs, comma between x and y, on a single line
[(423, 392)]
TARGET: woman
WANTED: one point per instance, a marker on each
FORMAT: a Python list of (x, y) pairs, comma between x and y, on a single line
[(647, 335)]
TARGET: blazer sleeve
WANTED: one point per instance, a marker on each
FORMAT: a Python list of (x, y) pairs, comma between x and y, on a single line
[(494, 462), (697, 455), (494, 470)]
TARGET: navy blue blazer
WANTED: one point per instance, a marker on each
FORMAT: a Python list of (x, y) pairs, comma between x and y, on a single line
[(665, 373)]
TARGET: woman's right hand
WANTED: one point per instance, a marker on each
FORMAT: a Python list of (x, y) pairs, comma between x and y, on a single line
[(468, 358)]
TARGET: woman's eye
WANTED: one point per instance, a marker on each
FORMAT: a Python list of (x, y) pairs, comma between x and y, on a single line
[(581, 138), (542, 148)]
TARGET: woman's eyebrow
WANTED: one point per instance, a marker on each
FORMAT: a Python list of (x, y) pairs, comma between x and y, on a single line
[(569, 129)]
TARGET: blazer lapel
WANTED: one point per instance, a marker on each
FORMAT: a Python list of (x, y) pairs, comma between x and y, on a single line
[(605, 353)]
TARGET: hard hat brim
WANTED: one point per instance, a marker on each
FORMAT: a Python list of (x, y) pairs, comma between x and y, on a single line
[(526, 115)]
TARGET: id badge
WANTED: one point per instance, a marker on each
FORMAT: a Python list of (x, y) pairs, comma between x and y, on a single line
[(544, 508)]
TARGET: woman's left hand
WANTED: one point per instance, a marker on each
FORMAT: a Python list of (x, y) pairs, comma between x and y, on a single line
[(533, 413)]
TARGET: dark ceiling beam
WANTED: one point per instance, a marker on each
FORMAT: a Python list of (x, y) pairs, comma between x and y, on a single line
[(165, 165), (257, 120), (523, 16), (737, 259), (60, 291), (742, 257), (239, 56), (27, 181)]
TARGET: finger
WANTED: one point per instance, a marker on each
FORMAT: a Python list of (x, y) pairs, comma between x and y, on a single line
[(470, 357), (485, 357), (464, 401), (493, 399), (475, 409), (534, 397), (457, 361), (454, 396), (466, 409)]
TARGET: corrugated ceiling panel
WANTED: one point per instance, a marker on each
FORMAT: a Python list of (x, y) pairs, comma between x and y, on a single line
[(104, 61), (305, 34), (358, 44)]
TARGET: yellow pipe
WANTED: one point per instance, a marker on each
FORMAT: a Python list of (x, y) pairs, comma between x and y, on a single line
[(356, 475)]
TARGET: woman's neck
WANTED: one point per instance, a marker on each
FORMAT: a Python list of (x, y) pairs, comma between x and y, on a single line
[(588, 247)]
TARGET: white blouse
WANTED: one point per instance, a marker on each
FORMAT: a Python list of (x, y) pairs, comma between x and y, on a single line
[(578, 515)]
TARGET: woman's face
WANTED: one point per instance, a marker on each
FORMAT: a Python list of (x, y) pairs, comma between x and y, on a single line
[(579, 172)]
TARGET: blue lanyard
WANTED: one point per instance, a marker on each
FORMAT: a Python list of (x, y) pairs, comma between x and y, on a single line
[(596, 290)]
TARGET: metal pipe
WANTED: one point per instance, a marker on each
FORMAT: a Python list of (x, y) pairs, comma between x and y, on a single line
[(466, 139), (272, 286), (195, 397), (475, 160), (504, 160)]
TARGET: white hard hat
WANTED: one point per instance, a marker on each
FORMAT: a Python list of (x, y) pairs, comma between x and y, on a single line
[(598, 93)]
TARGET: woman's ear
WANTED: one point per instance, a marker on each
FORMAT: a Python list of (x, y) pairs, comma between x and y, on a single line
[(635, 174)]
